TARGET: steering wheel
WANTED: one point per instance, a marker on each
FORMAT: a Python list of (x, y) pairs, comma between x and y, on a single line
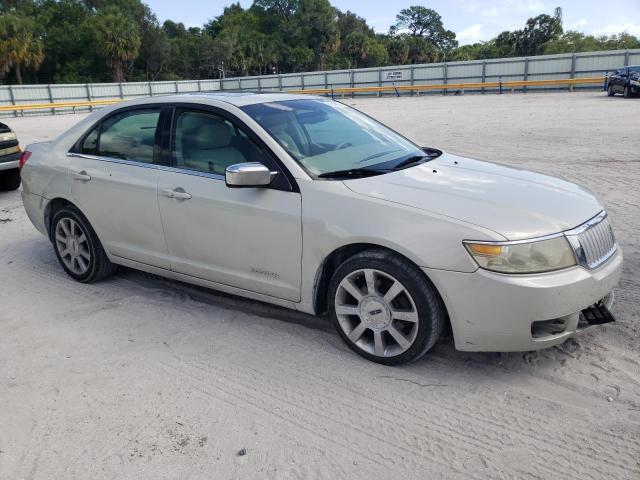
[(342, 145)]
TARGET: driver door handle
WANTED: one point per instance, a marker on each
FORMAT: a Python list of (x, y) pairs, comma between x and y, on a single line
[(179, 194), (81, 176)]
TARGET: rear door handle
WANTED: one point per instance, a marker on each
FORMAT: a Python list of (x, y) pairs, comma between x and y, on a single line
[(81, 176), (179, 194)]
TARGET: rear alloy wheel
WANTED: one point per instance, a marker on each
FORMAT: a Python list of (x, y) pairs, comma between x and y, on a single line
[(610, 91), (73, 246), (78, 248), (10, 180), (384, 308)]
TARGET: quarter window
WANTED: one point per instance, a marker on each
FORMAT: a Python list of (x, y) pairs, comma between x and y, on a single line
[(90, 143), (210, 143), (128, 136)]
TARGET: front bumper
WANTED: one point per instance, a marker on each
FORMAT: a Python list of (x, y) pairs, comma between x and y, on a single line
[(495, 312)]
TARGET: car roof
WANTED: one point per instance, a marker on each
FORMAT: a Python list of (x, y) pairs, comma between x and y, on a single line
[(238, 99)]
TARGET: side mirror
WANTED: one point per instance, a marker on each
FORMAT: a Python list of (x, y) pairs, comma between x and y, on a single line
[(248, 175)]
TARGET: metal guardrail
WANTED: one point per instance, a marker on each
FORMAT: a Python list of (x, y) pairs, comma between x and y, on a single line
[(500, 85), (488, 74), (455, 86), (47, 106)]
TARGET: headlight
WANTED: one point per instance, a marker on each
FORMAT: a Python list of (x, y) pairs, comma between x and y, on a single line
[(533, 256)]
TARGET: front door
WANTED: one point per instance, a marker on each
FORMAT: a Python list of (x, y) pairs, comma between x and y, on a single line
[(249, 238), (115, 182)]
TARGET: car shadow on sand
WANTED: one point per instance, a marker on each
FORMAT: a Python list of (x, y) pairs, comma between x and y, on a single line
[(444, 351)]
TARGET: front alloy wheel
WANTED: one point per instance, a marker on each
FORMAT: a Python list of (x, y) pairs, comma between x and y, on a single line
[(385, 308), (376, 312)]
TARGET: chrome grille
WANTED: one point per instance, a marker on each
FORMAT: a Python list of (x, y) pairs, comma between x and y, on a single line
[(593, 242)]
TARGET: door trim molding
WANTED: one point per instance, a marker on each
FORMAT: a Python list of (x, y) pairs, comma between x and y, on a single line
[(151, 166)]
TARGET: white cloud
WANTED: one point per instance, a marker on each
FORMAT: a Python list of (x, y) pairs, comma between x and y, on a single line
[(502, 7), (492, 12), (470, 34), (580, 24), (613, 28), (470, 6)]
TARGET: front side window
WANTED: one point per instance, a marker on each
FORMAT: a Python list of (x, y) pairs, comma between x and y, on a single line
[(209, 143), (326, 136), (128, 135)]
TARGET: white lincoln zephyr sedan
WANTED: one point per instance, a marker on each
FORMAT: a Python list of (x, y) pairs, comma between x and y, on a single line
[(306, 203)]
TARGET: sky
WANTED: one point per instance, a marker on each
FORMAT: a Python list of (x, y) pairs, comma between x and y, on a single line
[(472, 20)]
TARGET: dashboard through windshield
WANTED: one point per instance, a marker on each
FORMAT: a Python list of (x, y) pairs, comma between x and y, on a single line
[(326, 136)]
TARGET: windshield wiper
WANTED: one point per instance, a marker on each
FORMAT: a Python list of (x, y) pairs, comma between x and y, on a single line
[(353, 172), (376, 155), (409, 162)]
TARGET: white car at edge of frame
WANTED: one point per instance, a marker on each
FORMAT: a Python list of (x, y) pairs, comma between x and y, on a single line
[(307, 203)]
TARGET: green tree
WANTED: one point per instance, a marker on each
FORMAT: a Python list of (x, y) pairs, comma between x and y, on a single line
[(316, 20), (476, 51), (538, 31), (285, 8), (509, 44), (66, 37), (19, 45), (398, 50), (425, 22), (118, 40), (421, 51), (100, 40)]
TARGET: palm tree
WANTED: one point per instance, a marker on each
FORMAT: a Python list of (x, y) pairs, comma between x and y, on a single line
[(19, 46), (117, 40)]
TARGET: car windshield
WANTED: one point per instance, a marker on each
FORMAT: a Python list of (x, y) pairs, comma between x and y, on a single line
[(634, 71), (326, 136)]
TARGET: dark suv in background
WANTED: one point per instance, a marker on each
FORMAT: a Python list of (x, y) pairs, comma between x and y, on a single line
[(9, 159), (625, 81)]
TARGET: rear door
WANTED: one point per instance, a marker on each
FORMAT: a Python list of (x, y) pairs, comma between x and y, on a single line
[(115, 183), (249, 238)]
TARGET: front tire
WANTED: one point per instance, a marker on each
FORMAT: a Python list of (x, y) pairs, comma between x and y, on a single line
[(10, 180), (77, 247), (626, 93), (610, 91), (384, 307)]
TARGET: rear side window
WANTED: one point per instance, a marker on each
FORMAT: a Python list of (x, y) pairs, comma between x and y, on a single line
[(127, 136)]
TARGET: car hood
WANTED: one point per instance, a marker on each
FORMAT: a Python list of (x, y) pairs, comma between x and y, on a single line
[(515, 203)]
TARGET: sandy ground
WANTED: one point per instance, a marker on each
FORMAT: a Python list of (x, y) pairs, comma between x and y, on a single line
[(137, 377)]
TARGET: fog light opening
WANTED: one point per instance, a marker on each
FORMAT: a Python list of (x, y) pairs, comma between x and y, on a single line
[(548, 328)]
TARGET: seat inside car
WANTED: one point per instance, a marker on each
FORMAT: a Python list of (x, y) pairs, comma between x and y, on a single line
[(207, 144), (285, 129)]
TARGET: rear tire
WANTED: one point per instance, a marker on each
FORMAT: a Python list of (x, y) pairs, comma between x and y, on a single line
[(385, 308), (610, 91), (77, 247), (10, 180)]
